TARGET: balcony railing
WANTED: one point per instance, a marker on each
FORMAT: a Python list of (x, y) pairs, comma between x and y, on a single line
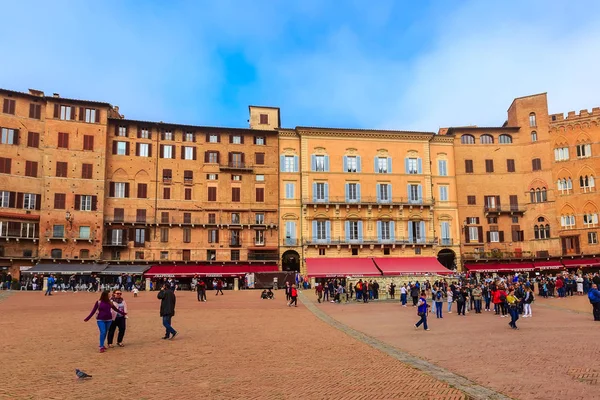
[(424, 201), (192, 221), (235, 243), (504, 208), (17, 235), (115, 243), (369, 241), (290, 242), (499, 255), (237, 165)]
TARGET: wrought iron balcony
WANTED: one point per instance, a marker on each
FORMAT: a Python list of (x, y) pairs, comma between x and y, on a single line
[(366, 200), (235, 165), (504, 209), (371, 241)]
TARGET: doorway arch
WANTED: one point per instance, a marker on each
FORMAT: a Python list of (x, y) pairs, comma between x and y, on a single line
[(447, 258), (290, 261)]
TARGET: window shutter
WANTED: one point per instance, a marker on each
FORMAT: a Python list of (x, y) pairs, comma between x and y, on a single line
[(243, 158), (466, 234), (207, 137), (114, 148), (150, 150), (162, 150), (501, 235), (31, 110), (376, 165), (82, 114), (347, 191), (195, 152), (410, 232), (206, 156), (127, 190), (5, 106), (162, 135), (313, 162), (389, 186), (19, 200), (314, 230), (242, 139), (182, 152), (137, 149), (97, 116), (420, 193), (392, 230), (295, 163), (419, 165), (480, 232), (379, 231), (345, 163), (347, 230), (360, 231), (314, 191), (94, 203), (422, 229), (326, 192), (488, 237), (358, 164), (126, 148), (378, 192), (16, 137), (229, 157), (139, 132), (77, 202), (281, 163), (56, 111), (38, 201), (230, 138), (111, 189), (218, 157), (406, 167), (389, 165), (73, 113)]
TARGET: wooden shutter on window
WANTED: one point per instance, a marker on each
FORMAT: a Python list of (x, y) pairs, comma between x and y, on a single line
[(182, 152), (487, 236), (56, 111), (137, 149), (195, 153), (150, 150), (97, 115), (94, 203), (82, 114), (73, 108), (77, 202), (207, 137), (206, 156), (127, 190), (230, 138), (162, 150), (19, 200), (480, 233), (38, 201), (114, 148), (111, 190), (31, 110), (126, 148), (501, 235)]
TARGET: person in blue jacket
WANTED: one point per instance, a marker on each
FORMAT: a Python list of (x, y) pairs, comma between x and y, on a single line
[(50, 285), (594, 296)]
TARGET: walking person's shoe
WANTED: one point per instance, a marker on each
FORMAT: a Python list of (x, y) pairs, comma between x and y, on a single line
[(102, 349), (165, 337), (120, 345), (110, 346), (173, 336)]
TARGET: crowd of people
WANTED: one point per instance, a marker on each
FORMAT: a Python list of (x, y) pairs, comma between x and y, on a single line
[(76, 283)]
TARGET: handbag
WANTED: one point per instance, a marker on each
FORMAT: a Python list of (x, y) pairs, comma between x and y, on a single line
[(421, 314)]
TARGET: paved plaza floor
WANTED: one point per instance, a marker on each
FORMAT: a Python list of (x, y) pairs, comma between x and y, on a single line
[(234, 346), (554, 355)]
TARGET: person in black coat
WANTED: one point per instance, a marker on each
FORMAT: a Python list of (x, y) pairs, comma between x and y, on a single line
[(167, 309)]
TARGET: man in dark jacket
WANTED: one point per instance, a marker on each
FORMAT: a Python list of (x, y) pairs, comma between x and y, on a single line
[(594, 296), (167, 310)]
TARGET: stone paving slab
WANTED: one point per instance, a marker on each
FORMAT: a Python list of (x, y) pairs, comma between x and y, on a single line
[(234, 346), (554, 355)]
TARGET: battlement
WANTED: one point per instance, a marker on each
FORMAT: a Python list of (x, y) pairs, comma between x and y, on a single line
[(572, 115)]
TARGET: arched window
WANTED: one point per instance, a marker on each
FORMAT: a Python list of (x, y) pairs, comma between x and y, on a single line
[(541, 219), (532, 121), (536, 232), (538, 195), (547, 229), (486, 139), (534, 136), (544, 194), (587, 183), (56, 253), (505, 139), (467, 139), (532, 196)]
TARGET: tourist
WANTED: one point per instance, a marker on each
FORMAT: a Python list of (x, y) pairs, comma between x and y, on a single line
[(293, 297), (219, 287), (325, 292), (103, 317), (527, 300), (167, 309), (579, 281), (49, 285), (119, 319), (461, 301), (365, 292), (512, 302), (476, 293), (439, 301), (392, 290), (594, 297), (449, 299), (375, 290), (414, 293), (201, 290), (287, 291), (319, 291), (422, 311), (486, 296), (403, 295)]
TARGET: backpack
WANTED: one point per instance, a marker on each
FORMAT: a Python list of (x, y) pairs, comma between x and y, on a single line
[(502, 297), (461, 298)]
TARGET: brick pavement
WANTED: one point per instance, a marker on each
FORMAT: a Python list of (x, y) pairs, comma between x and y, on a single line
[(554, 355), (233, 346)]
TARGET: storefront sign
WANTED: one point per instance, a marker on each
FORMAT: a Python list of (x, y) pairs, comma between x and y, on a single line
[(24, 268)]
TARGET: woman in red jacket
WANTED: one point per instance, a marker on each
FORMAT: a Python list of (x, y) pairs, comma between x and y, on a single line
[(501, 295)]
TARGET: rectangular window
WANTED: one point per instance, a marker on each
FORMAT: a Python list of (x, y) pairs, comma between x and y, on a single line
[(289, 164), (188, 194), (290, 189), (212, 194), (494, 236), (63, 140), (236, 177), (164, 255), (235, 255), (473, 220), (469, 166), (443, 193), (413, 193), (189, 137), (592, 238), (259, 238), (510, 165), (235, 218), (260, 178), (234, 237), (320, 191), (260, 195), (67, 113), (385, 230), (166, 193), (353, 232), (167, 135), (213, 236), (383, 166), (590, 220), (33, 139), (116, 236), (351, 164), (142, 190), (29, 201), (119, 214), (536, 164), (5, 199), (236, 139), (60, 201), (61, 169), (384, 192), (9, 106), (353, 192), (88, 142), (264, 119), (84, 232), (442, 168), (259, 158), (211, 255), (189, 153), (212, 157), (35, 111), (122, 148), (562, 153), (120, 189), (87, 171), (259, 140), (58, 231), (164, 217), (31, 168), (319, 163), (143, 149), (473, 234), (259, 218), (91, 115), (140, 237), (567, 221), (471, 200), (584, 150), (85, 203), (144, 133), (412, 166), (212, 177), (139, 255), (5, 165), (167, 151), (489, 166), (164, 235), (213, 138), (9, 136), (187, 218), (188, 177), (187, 235), (492, 220), (235, 194), (140, 215)]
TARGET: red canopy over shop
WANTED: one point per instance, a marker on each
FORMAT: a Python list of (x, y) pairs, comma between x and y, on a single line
[(340, 267), (411, 266), (582, 262), (495, 267), (211, 271), (548, 265)]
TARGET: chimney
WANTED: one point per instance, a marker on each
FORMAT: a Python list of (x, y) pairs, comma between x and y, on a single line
[(55, 95), (35, 92)]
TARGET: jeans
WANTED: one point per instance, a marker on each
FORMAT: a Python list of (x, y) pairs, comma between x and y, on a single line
[(415, 299), (503, 308), (438, 309), (202, 295), (119, 322), (358, 295), (596, 311), (365, 297), (461, 305), (514, 316), (103, 326), (449, 306), (487, 302), (478, 306), (403, 298), (49, 290), (423, 321), (167, 324)]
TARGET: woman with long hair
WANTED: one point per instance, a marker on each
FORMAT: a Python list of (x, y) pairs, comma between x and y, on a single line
[(104, 308), (119, 319)]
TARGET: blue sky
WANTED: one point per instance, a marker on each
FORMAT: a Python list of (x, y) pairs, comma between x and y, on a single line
[(414, 65)]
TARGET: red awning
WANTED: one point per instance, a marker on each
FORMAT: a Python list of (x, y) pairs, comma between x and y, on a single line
[(411, 266), (492, 267), (340, 267), (548, 265), (582, 262), (216, 271)]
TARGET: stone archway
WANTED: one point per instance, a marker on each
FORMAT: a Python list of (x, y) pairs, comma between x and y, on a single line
[(290, 261), (447, 258)]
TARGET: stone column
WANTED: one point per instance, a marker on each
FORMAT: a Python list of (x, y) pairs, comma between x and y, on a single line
[(147, 284), (236, 283), (45, 284)]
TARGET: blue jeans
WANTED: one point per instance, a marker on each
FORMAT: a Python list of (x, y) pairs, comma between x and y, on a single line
[(487, 302), (438, 309), (49, 289), (403, 298), (167, 324), (103, 326), (423, 321), (449, 306), (514, 316)]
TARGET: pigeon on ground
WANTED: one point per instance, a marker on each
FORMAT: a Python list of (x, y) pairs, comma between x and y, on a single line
[(81, 374)]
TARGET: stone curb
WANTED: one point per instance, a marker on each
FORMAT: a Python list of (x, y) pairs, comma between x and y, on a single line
[(471, 389)]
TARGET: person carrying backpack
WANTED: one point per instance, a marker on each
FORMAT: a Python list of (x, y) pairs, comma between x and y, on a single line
[(438, 303)]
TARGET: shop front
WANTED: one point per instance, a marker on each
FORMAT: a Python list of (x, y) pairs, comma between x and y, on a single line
[(324, 269), (501, 269), (84, 274), (416, 266), (584, 264)]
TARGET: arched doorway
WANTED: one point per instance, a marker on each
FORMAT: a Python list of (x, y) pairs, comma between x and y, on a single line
[(290, 261), (447, 258)]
